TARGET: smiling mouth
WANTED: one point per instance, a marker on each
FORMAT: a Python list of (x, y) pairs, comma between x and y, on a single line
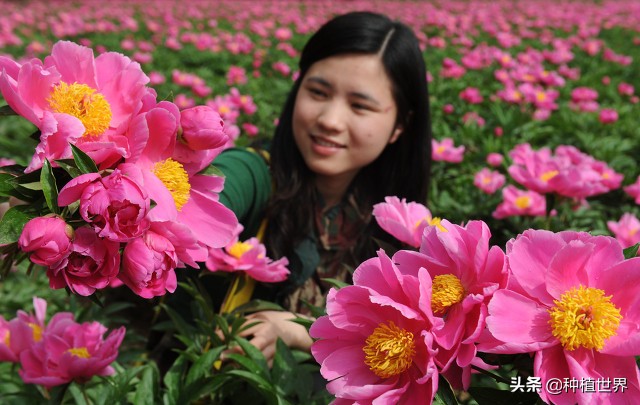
[(326, 143)]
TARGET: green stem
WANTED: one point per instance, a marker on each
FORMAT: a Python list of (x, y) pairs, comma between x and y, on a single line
[(490, 374)]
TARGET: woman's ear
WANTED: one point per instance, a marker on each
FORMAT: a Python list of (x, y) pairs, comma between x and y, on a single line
[(396, 134)]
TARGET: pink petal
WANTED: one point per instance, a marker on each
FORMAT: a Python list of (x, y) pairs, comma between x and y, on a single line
[(74, 62), (567, 268)]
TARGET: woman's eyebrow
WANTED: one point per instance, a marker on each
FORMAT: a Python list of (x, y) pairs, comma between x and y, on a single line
[(357, 94)]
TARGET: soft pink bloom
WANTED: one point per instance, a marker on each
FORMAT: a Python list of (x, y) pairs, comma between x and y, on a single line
[(148, 265), (473, 117), (201, 90), (633, 190), (115, 205), (76, 352), (498, 131), (383, 306), (627, 230), (608, 116), (625, 89), (48, 239), (250, 129), (403, 220), (520, 202), (451, 69), (283, 34), (249, 257), (445, 151), (183, 101), (22, 332), (169, 171), (571, 300), (495, 159), (90, 265), (471, 95), (156, 78), (488, 181), (534, 169), (465, 272), (236, 75), (282, 68), (111, 84), (7, 162), (202, 128), (448, 109)]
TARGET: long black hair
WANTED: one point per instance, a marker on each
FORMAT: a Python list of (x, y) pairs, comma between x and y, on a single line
[(402, 169)]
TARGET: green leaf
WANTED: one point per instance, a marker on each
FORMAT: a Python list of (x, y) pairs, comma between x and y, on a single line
[(258, 305), (445, 395), (492, 396), (283, 373), (147, 389), (84, 163), (69, 165), (211, 170), (255, 355), (7, 185), (257, 381), (631, 251), (204, 364), (49, 187), (337, 284), (12, 223), (6, 111)]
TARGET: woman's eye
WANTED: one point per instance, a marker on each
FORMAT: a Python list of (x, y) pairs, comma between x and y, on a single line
[(317, 92), (358, 106)]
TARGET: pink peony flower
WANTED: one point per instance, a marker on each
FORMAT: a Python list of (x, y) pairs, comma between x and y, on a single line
[(115, 205), (465, 272), (76, 352), (384, 312), (250, 129), (404, 221), (520, 202), (570, 300), (608, 116), (633, 190), (236, 75), (90, 265), (47, 238), (250, 257), (626, 230), (445, 151), (448, 109), (488, 181), (626, 89), (473, 118), (76, 99), (495, 159), (202, 128), (148, 265), (282, 68), (471, 95), (20, 333)]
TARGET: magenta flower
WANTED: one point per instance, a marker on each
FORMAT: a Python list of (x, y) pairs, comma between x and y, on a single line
[(249, 257), (91, 264), (533, 169), (465, 272), (48, 239), (202, 128), (627, 230), (169, 174), (445, 151), (236, 75), (22, 332), (115, 205), (495, 159), (520, 202), (148, 265), (633, 190), (608, 116), (570, 300), (471, 95), (75, 352), (375, 344), (74, 98), (404, 220), (489, 181)]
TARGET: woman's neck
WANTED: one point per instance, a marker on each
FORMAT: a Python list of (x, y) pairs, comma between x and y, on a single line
[(332, 189)]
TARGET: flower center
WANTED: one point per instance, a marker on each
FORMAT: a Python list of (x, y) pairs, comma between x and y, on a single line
[(239, 248), (584, 317), (176, 179), (7, 338), (389, 350), (80, 352), (546, 176), (523, 202), (84, 103), (37, 332), (446, 291)]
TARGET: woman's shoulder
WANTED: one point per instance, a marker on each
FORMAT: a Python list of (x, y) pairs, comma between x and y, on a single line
[(243, 155)]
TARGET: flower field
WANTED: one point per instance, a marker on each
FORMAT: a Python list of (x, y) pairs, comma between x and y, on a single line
[(535, 149)]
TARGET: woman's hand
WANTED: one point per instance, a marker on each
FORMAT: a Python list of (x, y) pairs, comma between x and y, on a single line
[(274, 325)]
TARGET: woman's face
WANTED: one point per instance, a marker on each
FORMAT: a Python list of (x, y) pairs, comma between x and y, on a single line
[(344, 115)]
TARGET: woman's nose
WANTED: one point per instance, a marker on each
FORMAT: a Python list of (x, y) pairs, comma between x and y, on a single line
[(332, 117)]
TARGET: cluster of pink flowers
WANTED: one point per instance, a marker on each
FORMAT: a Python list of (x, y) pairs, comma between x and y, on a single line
[(150, 208), (60, 351), (445, 151), (562, 297)]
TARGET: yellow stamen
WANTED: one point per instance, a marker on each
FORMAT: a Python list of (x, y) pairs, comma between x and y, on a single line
[(84, 103), (80, 352), (7, 338), (486, 180), (606, 175), (523, 202), (176, 179), (239, 248), (447, 290), (437, 222), (389, 350), (223, 109), (440, 149), (541, 96), (546, 176), (584, 317), (37, 332)]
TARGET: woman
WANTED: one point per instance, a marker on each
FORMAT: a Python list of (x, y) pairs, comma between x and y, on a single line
[(354, 129)]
